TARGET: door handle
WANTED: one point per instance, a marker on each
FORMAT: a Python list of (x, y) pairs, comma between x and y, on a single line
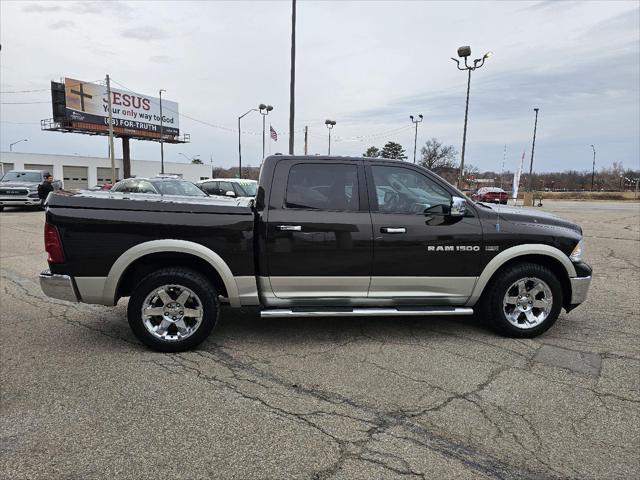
[(289, 228), (393, 230)]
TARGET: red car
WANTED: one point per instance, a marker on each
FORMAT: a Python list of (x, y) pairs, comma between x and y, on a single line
[(491, 195)]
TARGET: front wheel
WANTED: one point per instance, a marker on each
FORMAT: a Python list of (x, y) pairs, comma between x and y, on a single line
[(523, 301), (173, 309)]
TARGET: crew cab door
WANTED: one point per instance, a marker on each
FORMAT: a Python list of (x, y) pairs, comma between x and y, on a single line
[(420, 252), (318, 230)]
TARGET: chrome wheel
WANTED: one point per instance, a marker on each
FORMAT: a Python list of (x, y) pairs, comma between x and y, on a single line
[(172, 312), (527, 302)]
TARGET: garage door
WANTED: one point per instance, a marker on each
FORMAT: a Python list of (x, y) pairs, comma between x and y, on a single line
[(75, 178), (104, 175), (6, 167), (38, 166)]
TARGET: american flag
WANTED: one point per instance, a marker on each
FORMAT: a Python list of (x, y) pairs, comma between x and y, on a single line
[(274, 134)]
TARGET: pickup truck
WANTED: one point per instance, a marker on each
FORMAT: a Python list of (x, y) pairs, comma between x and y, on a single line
[(19, 188), (324, 236)]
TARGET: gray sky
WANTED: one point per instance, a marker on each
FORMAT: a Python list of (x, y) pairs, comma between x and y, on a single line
[(367, 65)]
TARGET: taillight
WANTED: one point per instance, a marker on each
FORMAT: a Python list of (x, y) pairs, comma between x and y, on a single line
[(52, 244)]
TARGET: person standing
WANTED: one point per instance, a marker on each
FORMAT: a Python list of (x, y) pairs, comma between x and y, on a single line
[(45, 188)]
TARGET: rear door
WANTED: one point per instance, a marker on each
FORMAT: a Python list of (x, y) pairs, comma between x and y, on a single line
[(420, 252), (318, 230)]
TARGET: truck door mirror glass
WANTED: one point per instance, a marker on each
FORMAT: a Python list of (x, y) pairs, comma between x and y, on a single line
[(458, 207)]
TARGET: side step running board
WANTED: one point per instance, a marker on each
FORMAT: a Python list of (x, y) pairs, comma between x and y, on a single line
[(365, 312)]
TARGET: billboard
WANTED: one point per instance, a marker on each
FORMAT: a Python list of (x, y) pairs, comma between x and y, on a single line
[(88, 104)]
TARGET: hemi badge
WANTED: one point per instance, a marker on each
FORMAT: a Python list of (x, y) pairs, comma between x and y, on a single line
[(491, 248)]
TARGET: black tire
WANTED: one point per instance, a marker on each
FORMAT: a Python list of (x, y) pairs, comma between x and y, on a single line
[(1, 208), (491, 307), (181, 277)]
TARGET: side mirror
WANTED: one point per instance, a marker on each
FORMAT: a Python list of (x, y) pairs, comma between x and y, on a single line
[(230, 194), (458, 207)]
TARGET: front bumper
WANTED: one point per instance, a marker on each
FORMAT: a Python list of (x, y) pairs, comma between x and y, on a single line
[(18, 201), (61, 287), (579, 289)]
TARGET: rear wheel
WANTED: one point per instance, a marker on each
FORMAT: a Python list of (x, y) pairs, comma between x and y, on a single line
[(523, 301), (173, 309)]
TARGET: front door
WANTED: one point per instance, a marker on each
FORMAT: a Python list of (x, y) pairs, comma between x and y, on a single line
[(420, 253), (319, 237)]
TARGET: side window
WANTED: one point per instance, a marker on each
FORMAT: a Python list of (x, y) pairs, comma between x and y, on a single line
[(322, 186), (123, 187), (225, 187), (402, 190), (209, 188), (145, 187)]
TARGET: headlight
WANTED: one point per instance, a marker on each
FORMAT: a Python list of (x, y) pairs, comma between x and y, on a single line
[(576, 255)]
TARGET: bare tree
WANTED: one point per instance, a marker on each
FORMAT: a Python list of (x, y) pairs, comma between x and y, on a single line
[(436, 156)]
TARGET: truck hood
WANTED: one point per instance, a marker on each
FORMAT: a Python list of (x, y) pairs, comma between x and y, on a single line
[(530, 216), (29, 185)]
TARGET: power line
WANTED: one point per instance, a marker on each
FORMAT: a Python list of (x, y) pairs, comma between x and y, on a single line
[(23, 103), (26, 91)]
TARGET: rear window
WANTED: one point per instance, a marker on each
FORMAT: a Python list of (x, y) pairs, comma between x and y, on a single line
[(178, 187), (322, 186)]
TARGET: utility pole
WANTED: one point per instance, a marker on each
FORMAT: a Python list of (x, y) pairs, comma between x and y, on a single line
[(533, 147), (504, 157), (292, 86), (415, 138), (306, 139), (593, 168), (161, 135), (111, 152), (211, 160)]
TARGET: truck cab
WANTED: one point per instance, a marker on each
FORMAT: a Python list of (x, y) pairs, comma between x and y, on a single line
[(324, 236)]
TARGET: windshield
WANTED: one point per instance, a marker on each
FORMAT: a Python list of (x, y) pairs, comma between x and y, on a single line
[(249, 188), (33, 177), (178, 187)]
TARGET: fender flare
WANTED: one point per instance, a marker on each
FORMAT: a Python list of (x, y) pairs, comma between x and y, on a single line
[(182, 246), (514, 252)]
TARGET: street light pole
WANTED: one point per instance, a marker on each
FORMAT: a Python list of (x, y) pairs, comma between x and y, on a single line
[(415, 138), (292, 82), (593, 168), (330, 124), (264, 111), (15, 143), (465, 52), (161, 134), (533, 147), (240, 140)]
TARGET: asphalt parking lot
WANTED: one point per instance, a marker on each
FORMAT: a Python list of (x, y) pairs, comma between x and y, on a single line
[(324, 398)]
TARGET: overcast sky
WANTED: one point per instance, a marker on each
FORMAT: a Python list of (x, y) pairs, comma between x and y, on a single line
[(366, 65)]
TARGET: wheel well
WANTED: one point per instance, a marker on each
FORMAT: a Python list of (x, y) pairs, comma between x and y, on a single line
[(141, 267), (551, 263)]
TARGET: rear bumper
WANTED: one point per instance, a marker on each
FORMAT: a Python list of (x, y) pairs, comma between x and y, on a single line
[(58, 286), (579, 289)]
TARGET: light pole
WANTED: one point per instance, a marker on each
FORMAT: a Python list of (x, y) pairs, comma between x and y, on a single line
[(330, 124), (264, 111), (465, 52), (533, 148), (415, 138), (15, 143), (240, 140), (292, 81), (161, 133), (593, 168)]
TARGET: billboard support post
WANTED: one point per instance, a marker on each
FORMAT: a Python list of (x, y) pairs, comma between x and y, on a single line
[(111, 151), (161, 135), (126, 159)]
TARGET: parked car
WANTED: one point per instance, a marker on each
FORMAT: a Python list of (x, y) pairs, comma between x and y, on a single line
[(161, 185), (324, 236), (490, 195), (230, 187), (19, 188)]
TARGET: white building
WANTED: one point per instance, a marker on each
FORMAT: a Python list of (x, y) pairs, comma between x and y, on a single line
[(82, 172)]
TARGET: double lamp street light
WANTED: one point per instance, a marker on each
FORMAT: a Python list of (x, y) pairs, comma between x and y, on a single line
[(263, 110), (465, 52), (330, 124)]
